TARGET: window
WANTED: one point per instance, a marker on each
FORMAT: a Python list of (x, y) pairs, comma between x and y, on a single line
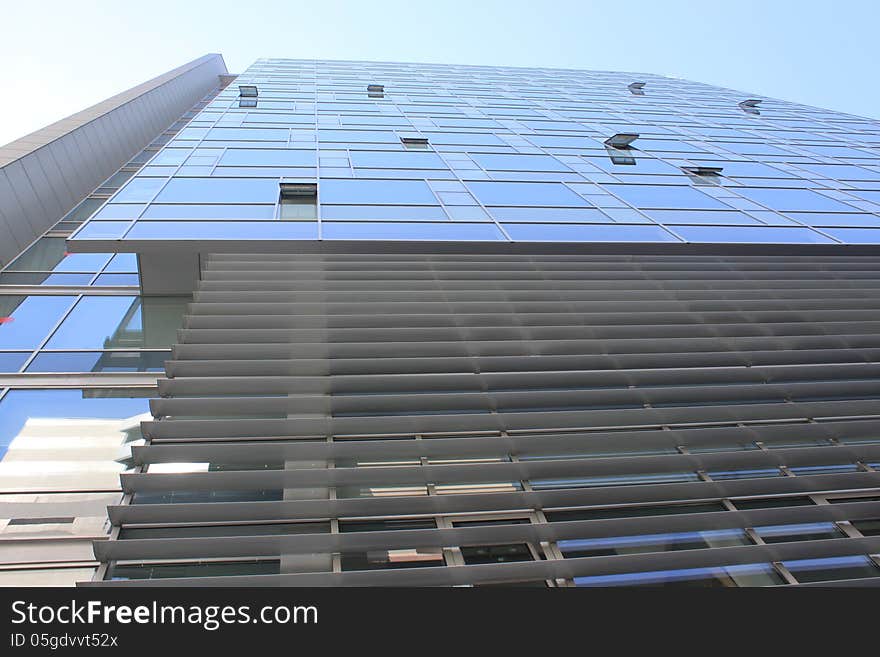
[(12, 361), (712, 218), (96, 230), (804, 532), (465, 139), (477, 554), (518, 162), (771, 502), (868, 527), (299, 201), (643, 164), (248, 91), (213, 211), (672, 197), (375, 91), (414, 143), (225, 230), (702, 170), (43, 255), (391, 192), (139, 190), (219, 190), (751, 234), (25, 321), (390, 559), (613, 480), (396, 160), (445, 232), (671, 542), (548, 194), (841, 171), (268, 157), (636, 88), (758, 574), (99, 361), (633, 511), (621, 140), (100, 420), (112, 322), (203, 531), (248, 134), (793, 199), (387, 212), (834, 568), (588, 233), (750, 106), (357, 136)]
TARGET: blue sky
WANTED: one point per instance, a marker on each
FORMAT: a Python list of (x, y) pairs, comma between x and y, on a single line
[(59, 57)]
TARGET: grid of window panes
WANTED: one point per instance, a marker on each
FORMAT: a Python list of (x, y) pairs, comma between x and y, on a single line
[(511, 154), (95, 321), (63, 447)]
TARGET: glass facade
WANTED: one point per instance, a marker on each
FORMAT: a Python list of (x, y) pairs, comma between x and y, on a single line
[(503, 155), (600, 398)]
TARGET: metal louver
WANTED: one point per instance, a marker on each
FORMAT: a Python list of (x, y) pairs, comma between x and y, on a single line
[(476, 379)]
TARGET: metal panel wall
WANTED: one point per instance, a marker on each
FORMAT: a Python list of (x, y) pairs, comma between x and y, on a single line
[(45, 174)]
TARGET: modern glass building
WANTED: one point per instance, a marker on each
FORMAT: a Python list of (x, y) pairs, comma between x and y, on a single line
[(369, 324)]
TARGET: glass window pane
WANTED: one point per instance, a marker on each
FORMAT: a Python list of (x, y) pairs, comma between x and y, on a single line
[(219, 190), (653, 543), (375, 230), (588, 233), (225, 230), (12, 361), (834, 568), (249, 134), (278, 157), (396, 160), (25, 321), (392, 212), (115, 322), (518, 162), (531, 193), (100, 421), (724, 576), (102, 230), (43, 255), (99, 361), (122, 263), (117, 279), (752, 234), (665, 196), (139, 190), (213, 211), (82, 262), (793, 199), (390, 192)]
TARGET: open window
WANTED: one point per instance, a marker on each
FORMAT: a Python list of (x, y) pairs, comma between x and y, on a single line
[(299, 201), (750, 106), (619, 149), (414, 142), (637, 88)]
